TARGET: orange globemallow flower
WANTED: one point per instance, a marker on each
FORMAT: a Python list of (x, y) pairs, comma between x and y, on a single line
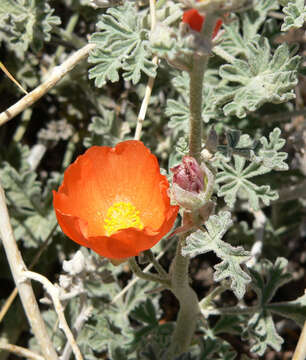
[(195, 20), (115, 201)]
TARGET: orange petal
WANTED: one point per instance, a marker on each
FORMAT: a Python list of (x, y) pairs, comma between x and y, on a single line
[(194, 19), (71, 225)]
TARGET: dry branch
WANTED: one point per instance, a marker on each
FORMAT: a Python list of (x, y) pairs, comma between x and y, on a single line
[(23, 285), (53, 291), (56, 75), (20, 351)]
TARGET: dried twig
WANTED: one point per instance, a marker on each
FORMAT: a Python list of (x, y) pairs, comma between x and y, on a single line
[(300, 351), (14, 293), (11, 77), (259, 226), (20, 351), (53, 291), (24, 285), (79, 323), (150, 84), (56, 75)]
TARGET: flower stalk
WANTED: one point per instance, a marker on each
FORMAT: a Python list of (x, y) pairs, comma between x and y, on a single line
[(147, 276), (189, 306), (195, 106)]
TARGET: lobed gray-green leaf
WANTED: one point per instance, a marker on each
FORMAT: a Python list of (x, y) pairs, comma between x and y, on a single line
[(201, 242)]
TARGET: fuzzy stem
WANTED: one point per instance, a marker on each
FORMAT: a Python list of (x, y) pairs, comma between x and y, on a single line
[(189, 308), (195, 121), (161, 271), (231, 310), (200, 61), (151, 277), (207, 300)]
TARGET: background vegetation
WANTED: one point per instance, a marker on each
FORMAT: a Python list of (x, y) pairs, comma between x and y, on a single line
[(254, 97)]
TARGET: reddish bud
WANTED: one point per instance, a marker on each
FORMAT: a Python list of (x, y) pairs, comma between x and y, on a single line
[(189, 175), (188, 188)]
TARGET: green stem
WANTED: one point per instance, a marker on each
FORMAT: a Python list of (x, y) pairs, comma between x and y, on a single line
[(200, 61), (161, 271), (233, 310), (147, 276), (196, 91), (70, 149), (207, 300), (189, 306), (25, 121)]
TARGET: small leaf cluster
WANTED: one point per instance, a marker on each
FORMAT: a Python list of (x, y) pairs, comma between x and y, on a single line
[(121, 43), (30, 205), (266, 281), (28, 22), (271, 80), (242, 159), (295, 14), (203, 241)]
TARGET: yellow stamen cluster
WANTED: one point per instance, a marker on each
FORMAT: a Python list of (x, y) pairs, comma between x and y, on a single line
[(122, 215)]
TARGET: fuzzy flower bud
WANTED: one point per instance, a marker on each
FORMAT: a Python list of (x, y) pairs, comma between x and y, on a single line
[(189, 175), (189, 184)]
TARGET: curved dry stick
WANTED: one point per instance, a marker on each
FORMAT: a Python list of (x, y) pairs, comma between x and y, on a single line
[(300, 351), (14, 293), (80, 321), (24, 285), (20, 351), (54, 293), (56, 75)]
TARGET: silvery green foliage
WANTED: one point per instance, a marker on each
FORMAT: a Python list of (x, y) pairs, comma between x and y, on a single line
[(29, 23), (295, 14), (178, 110), (209, 347), (33, 219), (100, 130), (240, 30), (122, 43), (249, 159), (106, 130), (246, 83), (210, 239), (108, 326), (270, 80), (247, 70), (263, 333), (266, 279)]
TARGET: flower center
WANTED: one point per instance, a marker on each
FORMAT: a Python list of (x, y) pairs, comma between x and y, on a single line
[(122, 215)]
